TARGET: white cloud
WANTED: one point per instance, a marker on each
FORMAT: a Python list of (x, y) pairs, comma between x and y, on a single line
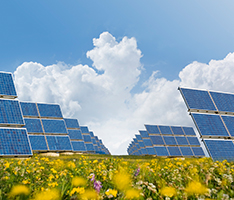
[(102, 100)]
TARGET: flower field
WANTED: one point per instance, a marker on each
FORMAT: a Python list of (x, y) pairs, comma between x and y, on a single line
[(112, 177)]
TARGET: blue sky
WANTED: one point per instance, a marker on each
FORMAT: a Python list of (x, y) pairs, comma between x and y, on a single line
[(170, 35)]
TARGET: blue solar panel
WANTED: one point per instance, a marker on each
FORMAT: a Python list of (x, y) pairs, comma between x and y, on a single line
[(33, 125), (189, 131), (7, 86), (150, 150), (144, 134), (49, 110), (14, 142), (229, 122), (84, 129), (75, 134), (210, 125), (193, 141), (177, 130), (10, 112), (157, 139), (78, 146), (186, 151), (38, 142), (59, 143), (174, 151), (223, 101), (54, 126), (138, 137), (89, 146), (165, 130), (198, 151), (170, 140), (91, 134), (87, 138), (181, 140), (94, 141), (71, 123), (152, 129), (161, 151), (147, 142), (197, 99), (141, 144), (29, 109)]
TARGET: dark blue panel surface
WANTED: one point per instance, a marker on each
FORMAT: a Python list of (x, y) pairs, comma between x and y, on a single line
[(49, 110), (75, 134), (170, 140), (197, 99), (161, 151), (59, 143), (141, 144), (147, 142), (229, 122), (38, 142), (84, 129), (10, 112), (89, 146), (211, 125), (165, 130), (193, 141), (181, 140), (33, 125), (198, 151), (87, 138), (54, 126), (186, 151), (152, 129), (174, 151), (94, 141), (150, 150), (157, 139), (29, 109), (71, 123), (78, 146), (138, 137), (91, 134), (189, 131), (144, 134), (223, 101), (7, 86), (177, 130), (14, 142)]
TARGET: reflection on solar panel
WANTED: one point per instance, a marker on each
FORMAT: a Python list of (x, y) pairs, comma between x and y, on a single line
[(71, 123), (59, 143), (7, 87), (29, 109), (38, 142), (78, 146), (54, 126), (33, 125), (14, 142), (75, 134), (49, 110), (10, 112)]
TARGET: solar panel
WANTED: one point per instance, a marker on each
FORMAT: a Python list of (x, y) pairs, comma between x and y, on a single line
[(89, 146), (29, 109), (144, 134), (186, 151), (91, 134), (150, 150), (94, 141), (144, 151), (71, 123), (210, 125), (189, 131), (59, 143), (157, 140), (75, 134), (198, 151), (138, 137), (152, 129), (14, 142), (84, 129), (53, 126), (33, 125), (169, 140), (142, 145), (223, 101), (161, 151), (181, 140), (193, 141), (147, 142), (229, 122), (177, 130), (165, 130), (38, 142), (87, 138), (78, 146), (197, 99), (174, 151), (10, 112), (49, 110), (7, 87)]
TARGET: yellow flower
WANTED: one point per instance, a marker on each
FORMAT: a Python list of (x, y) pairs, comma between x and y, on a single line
[(168, 191), (7, 164), (19, 190), (111, 192), (77, 190), (78, 181), (25, 182), (95, 161), (132, 193), (48, 195), (89, 194), (122, 180), (195, 187)]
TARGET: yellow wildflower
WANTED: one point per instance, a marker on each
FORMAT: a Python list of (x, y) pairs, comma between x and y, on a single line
[(122, 180), (111, 192), (168, 191), (78, 181), (95, 161), (195, 187), (132, 193), (48, 195), (89, 194), (19, 190), (7, 165), (77, 190)]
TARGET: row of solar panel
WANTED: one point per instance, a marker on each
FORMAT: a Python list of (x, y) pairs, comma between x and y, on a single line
[(208, 100)]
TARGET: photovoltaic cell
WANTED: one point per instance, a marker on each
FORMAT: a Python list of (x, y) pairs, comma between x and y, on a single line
[(165, 130), (152, 129), (7, 86), (38, 142), (75, 134), (144, 134), (10, 112), (87, 138), (33, 125), (78, 146), (89, 146), (14, 142), (177, 130), (229, 122), (193, 141), (29, 109), (198, 151), (54, 126), (84, 129), (170, 140), (157, 139), (147, 142), (59, 143), (174, 151), (71, 123), (138, 137), (189, 131), (209, 125), (186, 151), (144, 151), (197, 99), (150, 150), (223, 101), (91, 134), (94, 141), (181, 140), (161, 151), (49, 110), (141, 144)]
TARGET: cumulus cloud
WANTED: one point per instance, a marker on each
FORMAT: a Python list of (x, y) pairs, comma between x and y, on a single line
[(100, 96)]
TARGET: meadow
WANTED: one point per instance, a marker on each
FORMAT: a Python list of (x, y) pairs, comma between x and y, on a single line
[(115, 177)]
